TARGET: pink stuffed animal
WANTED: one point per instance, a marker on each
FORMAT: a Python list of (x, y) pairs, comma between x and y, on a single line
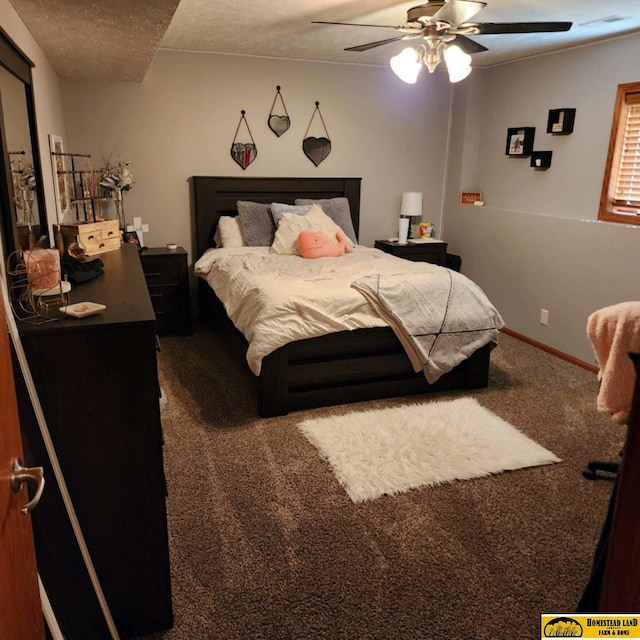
[(314, 244)]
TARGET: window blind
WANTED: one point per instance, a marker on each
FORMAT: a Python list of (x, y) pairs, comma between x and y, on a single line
[(626, 194)]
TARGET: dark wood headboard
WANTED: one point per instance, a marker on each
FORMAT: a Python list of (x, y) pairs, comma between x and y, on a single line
[(213, 197)]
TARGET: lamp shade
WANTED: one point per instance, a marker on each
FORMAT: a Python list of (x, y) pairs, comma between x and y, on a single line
[(406, 65), (458, 63), (411, 204)]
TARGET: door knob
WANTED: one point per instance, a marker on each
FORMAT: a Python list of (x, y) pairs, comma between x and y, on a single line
[(21, 474)]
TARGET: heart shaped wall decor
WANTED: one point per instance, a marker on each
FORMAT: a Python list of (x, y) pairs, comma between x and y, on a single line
[(279, 124), (316, 149), (244, 154)]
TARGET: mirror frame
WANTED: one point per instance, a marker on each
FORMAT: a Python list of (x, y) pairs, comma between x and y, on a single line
[(19, 65)]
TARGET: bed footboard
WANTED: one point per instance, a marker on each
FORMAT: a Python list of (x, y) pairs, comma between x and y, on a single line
[(353, 366)]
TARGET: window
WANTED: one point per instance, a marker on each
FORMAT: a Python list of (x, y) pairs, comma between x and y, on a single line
[(620, 201)]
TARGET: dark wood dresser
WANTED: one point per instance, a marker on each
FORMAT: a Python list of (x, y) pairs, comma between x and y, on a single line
[(435, 252), (98, 386), (165, 271)]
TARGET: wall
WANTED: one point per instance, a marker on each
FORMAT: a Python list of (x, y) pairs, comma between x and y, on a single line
[(46, 89), (180, 121), (537, 243)]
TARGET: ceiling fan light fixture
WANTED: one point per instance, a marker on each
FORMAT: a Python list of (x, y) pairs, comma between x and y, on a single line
[(439, 23), (407, 65), (432, 55), (458, 63)]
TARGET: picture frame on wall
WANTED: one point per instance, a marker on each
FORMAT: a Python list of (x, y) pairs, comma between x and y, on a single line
[(520, 141)]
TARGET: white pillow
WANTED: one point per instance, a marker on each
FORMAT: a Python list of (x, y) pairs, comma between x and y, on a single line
[(230, 232), (291, 224), (277, 209)]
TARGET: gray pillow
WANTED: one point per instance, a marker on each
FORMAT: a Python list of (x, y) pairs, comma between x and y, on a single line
[(277, 209), (338, 210), (258, 228)]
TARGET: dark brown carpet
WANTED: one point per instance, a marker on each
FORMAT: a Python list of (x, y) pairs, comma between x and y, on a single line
[(265, 543)]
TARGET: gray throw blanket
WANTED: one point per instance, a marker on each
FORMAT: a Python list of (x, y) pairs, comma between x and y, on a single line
[(440, 316)]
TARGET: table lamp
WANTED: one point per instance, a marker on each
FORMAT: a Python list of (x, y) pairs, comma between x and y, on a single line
[(411, 207)]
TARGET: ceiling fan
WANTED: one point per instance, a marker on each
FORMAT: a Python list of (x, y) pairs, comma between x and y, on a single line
[(444, 26)]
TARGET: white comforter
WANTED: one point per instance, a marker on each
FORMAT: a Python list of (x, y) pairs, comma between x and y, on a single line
[(274, 299)]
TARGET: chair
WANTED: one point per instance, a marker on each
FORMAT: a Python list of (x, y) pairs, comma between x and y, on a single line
[(614, 332), (615, 572), (593, 466)]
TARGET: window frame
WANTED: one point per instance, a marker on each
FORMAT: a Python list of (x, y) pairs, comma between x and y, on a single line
[(608, 203)]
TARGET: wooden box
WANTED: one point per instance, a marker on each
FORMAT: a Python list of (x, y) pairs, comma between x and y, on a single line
[(95, 237)]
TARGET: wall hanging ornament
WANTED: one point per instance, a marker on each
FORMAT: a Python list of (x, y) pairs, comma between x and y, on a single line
[(278, 124), (316, 149), (244, 153)]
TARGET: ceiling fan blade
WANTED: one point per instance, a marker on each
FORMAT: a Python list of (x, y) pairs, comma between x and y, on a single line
[(468, 45), (485, 28), (455, 12), (356, 24), (372, 45)]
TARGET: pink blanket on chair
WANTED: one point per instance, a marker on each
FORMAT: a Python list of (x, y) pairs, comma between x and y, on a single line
[(614, 333)]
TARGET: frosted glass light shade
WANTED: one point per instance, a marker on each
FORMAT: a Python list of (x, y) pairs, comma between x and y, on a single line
[(458, 63), (406, 65), (411, 204)]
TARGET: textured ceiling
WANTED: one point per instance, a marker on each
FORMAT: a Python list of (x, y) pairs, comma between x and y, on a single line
[(114, 40), (117, 40), (283, 28)]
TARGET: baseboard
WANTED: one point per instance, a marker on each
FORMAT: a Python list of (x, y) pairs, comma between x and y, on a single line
[(554, 352)]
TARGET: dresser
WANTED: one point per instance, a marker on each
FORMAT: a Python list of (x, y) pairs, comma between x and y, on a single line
[(435, 252), (167, 276), (97, 381)]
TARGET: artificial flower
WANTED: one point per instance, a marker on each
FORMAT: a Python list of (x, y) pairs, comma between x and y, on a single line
[(117, 177)]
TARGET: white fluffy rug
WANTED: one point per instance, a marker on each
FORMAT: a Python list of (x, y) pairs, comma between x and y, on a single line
[(389, 451)]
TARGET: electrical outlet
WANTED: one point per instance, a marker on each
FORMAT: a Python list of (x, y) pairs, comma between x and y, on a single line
[(544, 316)]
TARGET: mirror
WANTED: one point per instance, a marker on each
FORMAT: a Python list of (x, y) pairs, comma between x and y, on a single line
[(24, 218), (18, 141)]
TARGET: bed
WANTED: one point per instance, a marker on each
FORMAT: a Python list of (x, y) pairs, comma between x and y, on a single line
[(339, 368)]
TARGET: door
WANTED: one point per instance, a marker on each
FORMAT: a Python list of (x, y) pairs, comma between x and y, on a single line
[(20, 610)]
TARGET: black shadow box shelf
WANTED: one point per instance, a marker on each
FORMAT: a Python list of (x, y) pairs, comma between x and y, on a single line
[(561, 121), (541, 160)]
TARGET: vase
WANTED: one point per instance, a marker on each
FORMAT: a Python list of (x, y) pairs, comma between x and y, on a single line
[(117, 198), (27, 202), (403, 230)]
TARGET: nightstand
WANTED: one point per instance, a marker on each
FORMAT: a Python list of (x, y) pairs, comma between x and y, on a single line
[(167, 277), (435, 252)]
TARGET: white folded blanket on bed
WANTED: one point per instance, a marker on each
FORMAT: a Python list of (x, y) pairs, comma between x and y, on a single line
[(440, 317)]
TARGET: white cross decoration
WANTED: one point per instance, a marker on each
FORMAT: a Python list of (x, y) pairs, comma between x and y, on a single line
[(139, 228)]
